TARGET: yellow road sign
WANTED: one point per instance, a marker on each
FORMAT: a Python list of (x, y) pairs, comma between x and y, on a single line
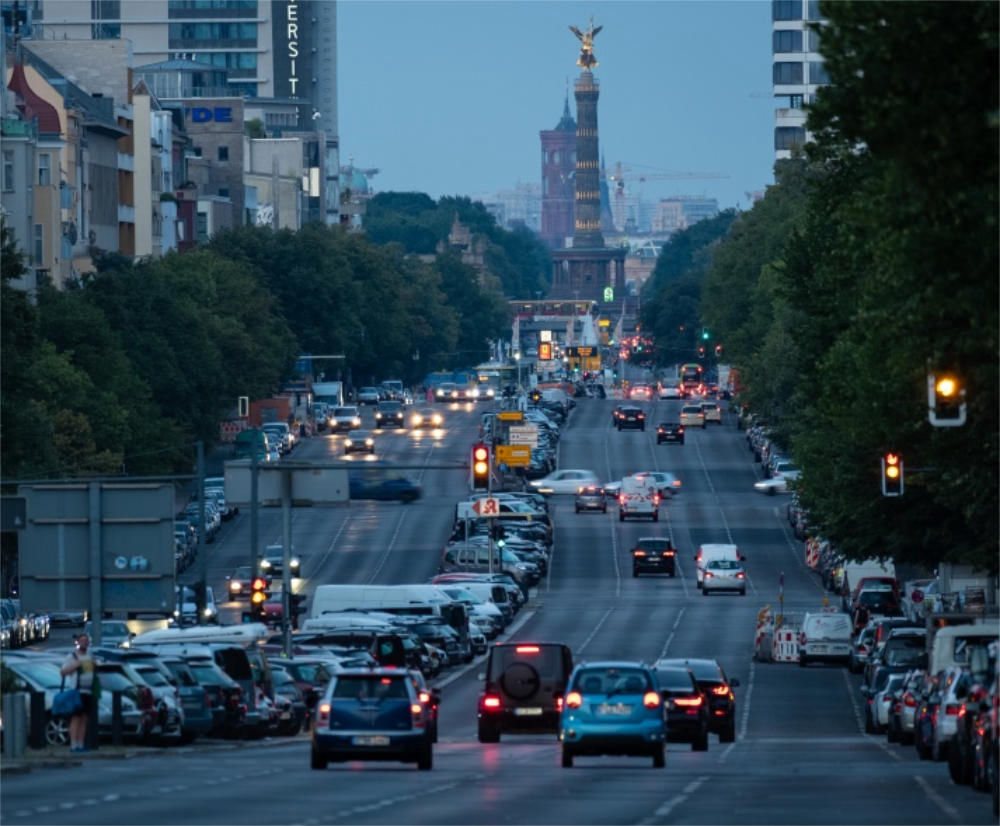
[(510, 416), (514, 455)]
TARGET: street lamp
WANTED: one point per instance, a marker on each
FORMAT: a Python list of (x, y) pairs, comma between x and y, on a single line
[(517, 361)]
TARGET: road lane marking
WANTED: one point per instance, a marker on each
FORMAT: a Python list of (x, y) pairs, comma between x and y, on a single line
[(745, 715), (939, 801), (677, 621), (715, 495), (597, 628), (668, 806)]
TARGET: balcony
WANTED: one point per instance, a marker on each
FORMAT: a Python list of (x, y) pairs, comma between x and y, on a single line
[(126, 162), (126, 214)]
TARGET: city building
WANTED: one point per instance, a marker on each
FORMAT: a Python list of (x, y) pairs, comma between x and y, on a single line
[(680, 212), (276, 50), (517, 207), (797, 70), (558, 179)]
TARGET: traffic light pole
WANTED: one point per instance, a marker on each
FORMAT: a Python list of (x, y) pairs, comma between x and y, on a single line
[(489, 490), (286, 560), (201, 600)]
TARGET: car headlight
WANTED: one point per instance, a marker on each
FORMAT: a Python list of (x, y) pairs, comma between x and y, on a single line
[(234, 586), (209, 612), (437, 419), (348, 443), (378, 415), (369, 442), (356, 422), (294, 563), (264, 563), (416, 421)]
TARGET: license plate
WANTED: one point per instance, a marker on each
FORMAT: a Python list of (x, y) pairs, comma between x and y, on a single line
[(819, 648), (614, 709), (528, 711), (370, 740), (286, 715)]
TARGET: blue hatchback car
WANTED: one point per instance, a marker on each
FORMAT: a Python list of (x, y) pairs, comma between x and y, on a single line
[(613, 708), (372, 714)]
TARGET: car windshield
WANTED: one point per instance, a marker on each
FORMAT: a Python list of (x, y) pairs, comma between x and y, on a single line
[(182, 673), (345, 411), (114, 681), (828, 625), (208, 674), (611, 681), (152, 675), (391, 407), (314, 673), (45, 675)]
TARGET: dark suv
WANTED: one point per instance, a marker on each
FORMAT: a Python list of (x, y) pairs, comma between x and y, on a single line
[(525, 683), (632, 418), (717, 688), (655, 555), (389, 414), (669, 432)]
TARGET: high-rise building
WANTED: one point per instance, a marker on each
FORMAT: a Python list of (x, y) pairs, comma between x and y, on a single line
[(558, 172), (797, 70), (263, 50)]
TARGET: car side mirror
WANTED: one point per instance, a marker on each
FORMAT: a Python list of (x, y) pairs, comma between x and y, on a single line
[(734, 683), (695, 557)]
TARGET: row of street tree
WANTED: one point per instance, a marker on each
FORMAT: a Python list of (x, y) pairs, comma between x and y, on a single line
[(124, 371), (871, 261)]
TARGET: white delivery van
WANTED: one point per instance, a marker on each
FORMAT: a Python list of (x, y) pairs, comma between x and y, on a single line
[(710, 552), (396, 599), (953, 644), (825, 636), (639, 497), (854, 572)]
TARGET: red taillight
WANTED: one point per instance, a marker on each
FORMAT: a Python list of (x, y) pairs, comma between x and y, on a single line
[(677, 482), (680, 429), (574, 699), (668, 553), (386, 680), (691, 702), (491, 702), (651, 699), (951, 710), (741, 575), (709, 575), (642, 416), (527, 649), (656, 499), (909, 700), (722, 690), (638, 553), (621, 499), (416, 709), (559, 703), (961, 710), (323, 714), (862, 649)]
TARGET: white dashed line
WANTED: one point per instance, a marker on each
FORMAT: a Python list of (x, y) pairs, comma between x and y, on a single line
[(745, 715), (939, 801), (677, 621), (597, 628)]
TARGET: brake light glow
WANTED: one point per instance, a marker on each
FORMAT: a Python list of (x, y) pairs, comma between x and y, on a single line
[(559, 703), (741, 575), (651, 699), (909, 700), (656, 499), (386, 680), (722, 690), (692, 702), (425, 697), (416, 708), (677, 482), (527, 649), (324, 713), (491, 702), (709, 575), (574, 699), (638, 553)]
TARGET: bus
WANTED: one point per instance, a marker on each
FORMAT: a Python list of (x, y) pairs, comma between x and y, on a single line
[(493, 377), (691, 378)]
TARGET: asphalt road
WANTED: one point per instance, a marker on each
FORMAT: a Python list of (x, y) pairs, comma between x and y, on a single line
[(800, 756)]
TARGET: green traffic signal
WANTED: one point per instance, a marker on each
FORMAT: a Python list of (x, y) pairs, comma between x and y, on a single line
[(705, 334)]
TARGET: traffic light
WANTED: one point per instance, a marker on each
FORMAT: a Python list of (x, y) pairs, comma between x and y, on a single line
[(536, 397), (892, 474), (258, 596), (480, 467), (945, 400), (718, 349), (705, 334), (701, 351), (498, 532)]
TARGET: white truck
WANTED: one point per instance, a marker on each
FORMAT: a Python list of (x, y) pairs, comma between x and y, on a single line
[(638, 498), (331, 393)]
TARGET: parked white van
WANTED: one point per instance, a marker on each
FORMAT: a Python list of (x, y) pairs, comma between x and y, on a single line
[(711, 552), (395, 599), (953, 644)]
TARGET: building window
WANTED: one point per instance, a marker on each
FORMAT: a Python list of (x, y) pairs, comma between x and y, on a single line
[(223, 153), (795, 101), (789, 137), (201, 227), (813, 40), (39, 245), (817, 73), (787, 41), (786, 73), (223, 191), (44, 169), (106, 17), (196, 151), (786, 9), (8, 171), (814, 13)]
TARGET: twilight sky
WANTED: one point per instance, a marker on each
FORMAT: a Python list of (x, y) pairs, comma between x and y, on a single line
[(448, 98)]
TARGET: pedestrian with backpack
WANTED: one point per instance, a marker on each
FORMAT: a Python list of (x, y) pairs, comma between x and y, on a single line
[(81, 663)]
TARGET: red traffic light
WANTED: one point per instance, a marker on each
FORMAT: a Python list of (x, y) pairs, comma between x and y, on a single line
[(259, 584), (480, 453)]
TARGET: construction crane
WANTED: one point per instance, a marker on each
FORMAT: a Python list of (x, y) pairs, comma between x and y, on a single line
[(623, 173)]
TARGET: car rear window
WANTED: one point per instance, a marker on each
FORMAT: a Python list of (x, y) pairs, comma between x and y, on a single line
[(653, 545), (345, 411), (695, 409), (114, 681), (370, 687), (706, 670), (674, 679), (182, 673), (827, 625), (611, 681)]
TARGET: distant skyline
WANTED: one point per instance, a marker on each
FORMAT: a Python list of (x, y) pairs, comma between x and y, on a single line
[(448, 98)]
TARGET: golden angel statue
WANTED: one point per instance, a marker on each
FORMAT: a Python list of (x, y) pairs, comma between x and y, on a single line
[(586, 58)]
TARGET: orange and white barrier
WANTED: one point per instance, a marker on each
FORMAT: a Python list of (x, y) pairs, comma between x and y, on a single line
[(812, 552), (762, 642), (785, 647)]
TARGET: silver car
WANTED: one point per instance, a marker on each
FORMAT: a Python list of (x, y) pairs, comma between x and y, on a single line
[(724, 575)]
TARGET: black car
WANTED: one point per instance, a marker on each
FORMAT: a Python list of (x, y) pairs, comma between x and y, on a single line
[(390, 414), (382, 486), (525, 683), (717, 688), (687, 707), (631, 418), (654, 555), (669, 432)]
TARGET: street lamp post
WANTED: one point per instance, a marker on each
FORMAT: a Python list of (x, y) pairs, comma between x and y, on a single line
[(517, 361)]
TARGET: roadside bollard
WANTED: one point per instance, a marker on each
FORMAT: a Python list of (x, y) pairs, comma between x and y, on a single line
[(117, 727), (90, 737), (15, 724), (36, 729)]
